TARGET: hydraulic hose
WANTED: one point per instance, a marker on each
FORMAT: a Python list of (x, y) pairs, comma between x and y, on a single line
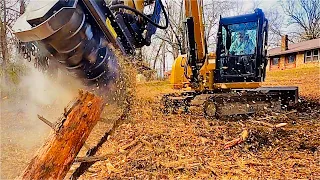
[(144, 16)]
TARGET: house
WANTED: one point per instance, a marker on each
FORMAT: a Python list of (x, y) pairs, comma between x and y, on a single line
[(293, 55)]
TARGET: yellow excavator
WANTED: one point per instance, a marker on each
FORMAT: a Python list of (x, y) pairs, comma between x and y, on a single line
[(227, 82), (78, 34)]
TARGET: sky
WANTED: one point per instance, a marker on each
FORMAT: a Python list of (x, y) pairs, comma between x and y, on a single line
[(264, 4)]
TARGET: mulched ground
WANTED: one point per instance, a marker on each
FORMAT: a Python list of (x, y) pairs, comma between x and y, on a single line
[(152, 145)]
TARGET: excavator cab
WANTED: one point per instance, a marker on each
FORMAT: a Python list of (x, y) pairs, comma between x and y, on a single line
[(241, 48)]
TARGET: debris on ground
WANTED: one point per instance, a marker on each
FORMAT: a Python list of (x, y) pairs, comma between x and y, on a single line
[(148, 144), (153, 145)]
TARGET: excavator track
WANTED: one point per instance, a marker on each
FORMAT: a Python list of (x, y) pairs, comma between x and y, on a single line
[(236, 102)]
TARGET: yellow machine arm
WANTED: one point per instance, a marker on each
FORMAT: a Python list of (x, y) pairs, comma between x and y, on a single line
[(136, 4), (185, 68), (194, 9)]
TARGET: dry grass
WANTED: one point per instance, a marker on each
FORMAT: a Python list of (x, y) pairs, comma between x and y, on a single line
[(307, 78), (152, 145)]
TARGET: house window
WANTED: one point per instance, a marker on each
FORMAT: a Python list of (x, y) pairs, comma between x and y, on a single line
[(316, 55), (308, 56), (291, 58), (275, 60), (312, 55)]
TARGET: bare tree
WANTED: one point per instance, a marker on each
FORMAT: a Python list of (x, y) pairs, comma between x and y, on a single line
[(212, 12), (9, 13), (305, 15), (157, 55), (172, 36), (276, 21), (167, 43), (3, 33), (256, 3)]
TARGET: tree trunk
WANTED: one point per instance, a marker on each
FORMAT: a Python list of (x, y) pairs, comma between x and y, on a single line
[(157, 55), (54, 159), (22, 7), (163, 60), (3, 36)]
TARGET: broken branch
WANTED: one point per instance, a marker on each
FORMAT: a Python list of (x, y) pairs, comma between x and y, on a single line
[(47, 122), (92, 158), (128, 145), (243, 136), (269, 124)]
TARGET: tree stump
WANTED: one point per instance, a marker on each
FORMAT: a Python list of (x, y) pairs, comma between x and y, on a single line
[(54, 159)]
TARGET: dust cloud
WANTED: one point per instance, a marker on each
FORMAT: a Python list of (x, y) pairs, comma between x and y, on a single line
[(22, 133)]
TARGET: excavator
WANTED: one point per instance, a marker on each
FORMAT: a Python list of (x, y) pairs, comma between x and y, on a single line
[(229, 81), (83, 35)]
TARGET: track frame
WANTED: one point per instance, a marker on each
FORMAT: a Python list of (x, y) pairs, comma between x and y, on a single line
[(218, 103)]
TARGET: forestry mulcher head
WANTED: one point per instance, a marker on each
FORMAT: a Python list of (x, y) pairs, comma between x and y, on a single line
[(71, 36), (82, 34)]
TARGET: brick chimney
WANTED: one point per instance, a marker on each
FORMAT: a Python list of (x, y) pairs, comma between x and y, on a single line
[(284, 43)]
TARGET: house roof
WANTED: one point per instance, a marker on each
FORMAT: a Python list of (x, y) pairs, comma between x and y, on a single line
[(297, 47)]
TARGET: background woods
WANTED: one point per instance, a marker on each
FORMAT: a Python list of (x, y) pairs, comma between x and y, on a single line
[(299, 19), (9, 12)]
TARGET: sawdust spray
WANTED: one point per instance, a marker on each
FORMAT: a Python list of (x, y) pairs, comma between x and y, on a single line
[(22, 133)]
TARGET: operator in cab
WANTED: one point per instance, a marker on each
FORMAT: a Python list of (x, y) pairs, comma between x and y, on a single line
[(242, 44)]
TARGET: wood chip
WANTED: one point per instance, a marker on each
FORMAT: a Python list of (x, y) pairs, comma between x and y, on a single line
[(129, 145), (134, 150), (280, 125)]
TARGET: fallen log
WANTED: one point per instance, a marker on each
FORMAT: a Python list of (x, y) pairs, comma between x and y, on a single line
[(54, 159), (53, 127), (84, 166)]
